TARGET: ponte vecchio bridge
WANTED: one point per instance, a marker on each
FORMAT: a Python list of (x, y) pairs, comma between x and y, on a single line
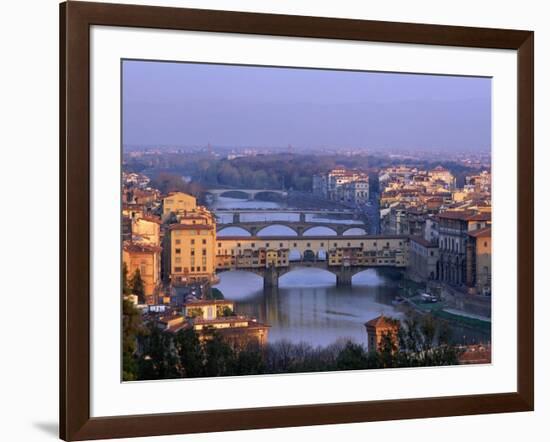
[(272, 257)]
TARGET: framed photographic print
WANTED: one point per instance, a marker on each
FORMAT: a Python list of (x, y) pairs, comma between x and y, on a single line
[(274, 220)]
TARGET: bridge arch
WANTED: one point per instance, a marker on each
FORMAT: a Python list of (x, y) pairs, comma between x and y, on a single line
[(275, 230), (309, 256), (230, 280), (353, 230), (238, 194), (268, 195), (368, 277), (233, 231), (294, 255), (319, 230), (318, 277)]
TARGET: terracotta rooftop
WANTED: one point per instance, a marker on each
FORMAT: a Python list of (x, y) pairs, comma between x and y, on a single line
[(466, 215), (481, 233), (483, 216), (423, 242), (140, 248), (225, 319), (150, 219), (195, 216), (201, 302), (191, 227), (178, 193), (381, 321)]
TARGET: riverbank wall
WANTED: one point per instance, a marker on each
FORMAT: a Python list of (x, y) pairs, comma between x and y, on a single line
[(456, 299)]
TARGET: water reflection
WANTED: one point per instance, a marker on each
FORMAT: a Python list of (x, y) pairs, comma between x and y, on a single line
[(309, 307), (237, 203)]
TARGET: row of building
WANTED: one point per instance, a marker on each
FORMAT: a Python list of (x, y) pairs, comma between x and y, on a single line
[(411, 198), (457, 252), (449, 227), (173, 241), (170, 241), (209, 317), (342, 185)]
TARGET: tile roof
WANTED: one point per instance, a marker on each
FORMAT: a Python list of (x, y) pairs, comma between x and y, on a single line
[(466, 215), (423, 242), (140, 248), (382, 321), (200, 302), (191, 227), (485, 232)]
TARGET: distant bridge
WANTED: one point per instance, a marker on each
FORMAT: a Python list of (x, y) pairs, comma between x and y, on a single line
[(291, 210), (302, 213), (300, 227), (247, 193)]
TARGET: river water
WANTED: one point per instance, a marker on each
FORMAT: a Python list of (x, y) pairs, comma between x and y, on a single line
[(307, 306)]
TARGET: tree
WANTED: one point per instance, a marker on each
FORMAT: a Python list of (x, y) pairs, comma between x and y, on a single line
[(131, 327), (387, 350), (125, 287), (195, 312), (229, 175), (214, 293), (158, 360), (138, 287), (248, 361), (220, 357), (424, 343), (168, 182), (190, 353), (352, 357), (224, 311)]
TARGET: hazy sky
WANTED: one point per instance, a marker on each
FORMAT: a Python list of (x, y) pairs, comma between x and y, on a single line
[(196, 104)]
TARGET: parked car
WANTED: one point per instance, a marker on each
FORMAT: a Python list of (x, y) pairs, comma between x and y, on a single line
[(426, 297)]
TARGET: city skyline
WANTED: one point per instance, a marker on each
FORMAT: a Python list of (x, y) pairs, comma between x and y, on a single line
[(168, 103), (291, 220)]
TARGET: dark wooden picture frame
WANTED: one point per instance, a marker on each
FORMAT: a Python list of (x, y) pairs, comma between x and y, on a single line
[(75, 21)]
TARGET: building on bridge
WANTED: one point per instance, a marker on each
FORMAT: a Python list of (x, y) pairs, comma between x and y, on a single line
[(272, 257), (247, 258)]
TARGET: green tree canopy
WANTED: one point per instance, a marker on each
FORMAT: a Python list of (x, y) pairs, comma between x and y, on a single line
[(138, 287)]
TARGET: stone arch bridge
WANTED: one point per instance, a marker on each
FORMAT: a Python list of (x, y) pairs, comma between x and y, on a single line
[(254, 228), (271, 274), (247, 193), (342, 256)]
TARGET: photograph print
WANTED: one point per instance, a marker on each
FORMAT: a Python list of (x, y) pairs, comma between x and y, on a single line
[(288, 220)]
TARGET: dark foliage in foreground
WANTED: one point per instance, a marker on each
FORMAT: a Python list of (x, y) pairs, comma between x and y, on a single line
[(164, 355)]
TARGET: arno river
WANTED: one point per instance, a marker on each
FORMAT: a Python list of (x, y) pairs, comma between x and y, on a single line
[(307, 305)]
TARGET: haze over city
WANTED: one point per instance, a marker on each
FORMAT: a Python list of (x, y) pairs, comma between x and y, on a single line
[(167, 103)]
